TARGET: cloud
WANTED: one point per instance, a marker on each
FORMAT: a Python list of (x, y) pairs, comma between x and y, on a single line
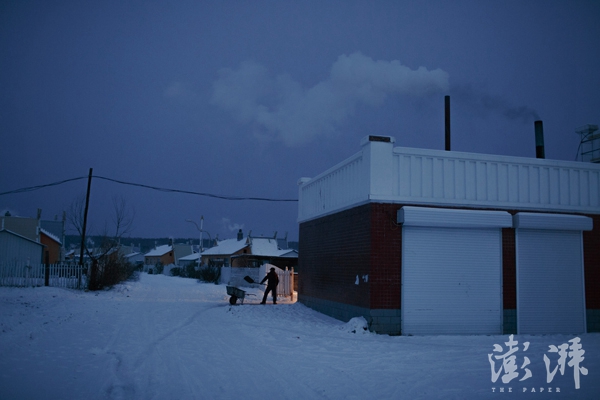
[(283, 110)]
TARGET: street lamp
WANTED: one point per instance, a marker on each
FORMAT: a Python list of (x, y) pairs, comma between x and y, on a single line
[(201, 246)]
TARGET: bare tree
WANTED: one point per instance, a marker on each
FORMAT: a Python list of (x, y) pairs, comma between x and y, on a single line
[(122, 224), (105, 254)]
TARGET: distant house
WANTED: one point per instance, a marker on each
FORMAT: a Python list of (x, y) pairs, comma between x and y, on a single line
[(135, 258), (161, 254), (15, 248), (130, 254), (265, 250), (48, 233), (191, 259), (250, 252), (221, 254), (167, 254), (53, 246), (56, 228), (26, 227)]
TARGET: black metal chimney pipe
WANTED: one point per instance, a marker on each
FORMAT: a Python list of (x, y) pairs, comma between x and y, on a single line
[(539, 140), (447, 120)]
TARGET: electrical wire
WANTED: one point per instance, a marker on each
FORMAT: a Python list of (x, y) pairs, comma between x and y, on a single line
[(160, 189), (216, 196), (32, 188)]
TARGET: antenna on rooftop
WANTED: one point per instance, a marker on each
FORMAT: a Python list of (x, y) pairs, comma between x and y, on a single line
[(589, 145)]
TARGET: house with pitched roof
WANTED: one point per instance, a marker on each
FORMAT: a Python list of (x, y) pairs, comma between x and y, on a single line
[(15, 248), (48, 233), (250, 252), (167, 254), (53, 246)]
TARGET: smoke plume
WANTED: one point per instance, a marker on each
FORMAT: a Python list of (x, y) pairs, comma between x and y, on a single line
[(483, 103), (229, 226), (281, 109)]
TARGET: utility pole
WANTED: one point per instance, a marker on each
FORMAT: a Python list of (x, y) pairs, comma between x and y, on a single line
[(85, 214), (201, 236)]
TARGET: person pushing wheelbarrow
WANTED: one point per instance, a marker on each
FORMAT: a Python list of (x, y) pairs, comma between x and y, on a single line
[(272, 282)]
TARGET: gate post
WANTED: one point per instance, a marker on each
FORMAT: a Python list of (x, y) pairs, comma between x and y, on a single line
[(47, 268)]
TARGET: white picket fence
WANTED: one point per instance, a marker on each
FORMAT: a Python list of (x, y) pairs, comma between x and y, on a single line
[(23, 274), (286, 282)]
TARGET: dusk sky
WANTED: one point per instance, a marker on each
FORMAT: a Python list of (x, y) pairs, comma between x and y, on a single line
[(243, 98)]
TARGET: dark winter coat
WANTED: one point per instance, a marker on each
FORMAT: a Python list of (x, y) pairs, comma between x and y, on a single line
[(272, 279)]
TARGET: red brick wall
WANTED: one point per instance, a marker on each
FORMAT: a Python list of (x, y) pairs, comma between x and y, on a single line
[(386, 256), (333, 250), (367, 240)]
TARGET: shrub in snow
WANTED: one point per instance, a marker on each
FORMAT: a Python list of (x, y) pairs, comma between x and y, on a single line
[(159, 268), (190, 271), (109, 271), (209, 273)]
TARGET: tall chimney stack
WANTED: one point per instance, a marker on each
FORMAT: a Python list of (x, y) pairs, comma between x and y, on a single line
[(539, 140), (447, 121)]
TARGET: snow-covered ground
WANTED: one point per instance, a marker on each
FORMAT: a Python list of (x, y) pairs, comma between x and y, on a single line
[(174, 338)]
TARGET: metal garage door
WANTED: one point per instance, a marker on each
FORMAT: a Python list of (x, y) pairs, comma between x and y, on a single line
[(550, 281), (451, 271)]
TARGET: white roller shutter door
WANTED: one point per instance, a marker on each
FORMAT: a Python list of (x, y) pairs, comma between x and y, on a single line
[(451, 271), (550, 281)]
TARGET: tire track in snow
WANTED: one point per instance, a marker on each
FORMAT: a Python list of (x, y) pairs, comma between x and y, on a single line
[(153, 309), (154, 348)]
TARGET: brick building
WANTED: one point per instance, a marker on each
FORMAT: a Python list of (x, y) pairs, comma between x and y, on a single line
[(442, 242)]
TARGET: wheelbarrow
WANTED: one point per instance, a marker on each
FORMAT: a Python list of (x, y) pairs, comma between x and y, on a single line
[(236, 294)]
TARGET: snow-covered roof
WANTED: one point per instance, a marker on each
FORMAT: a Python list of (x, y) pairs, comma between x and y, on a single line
[(159, 251), (289, 253), (265, 247), (50, 235), (227, 246), (259, 246), (191, 257)]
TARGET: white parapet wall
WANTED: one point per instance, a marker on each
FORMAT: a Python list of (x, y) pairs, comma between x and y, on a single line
[(383, 173)]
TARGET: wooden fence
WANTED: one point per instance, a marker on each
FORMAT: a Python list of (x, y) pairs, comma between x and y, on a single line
[(22, 274)]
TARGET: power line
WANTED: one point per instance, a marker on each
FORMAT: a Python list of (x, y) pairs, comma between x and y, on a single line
[(216, 196), (160, 189), (32, 188)]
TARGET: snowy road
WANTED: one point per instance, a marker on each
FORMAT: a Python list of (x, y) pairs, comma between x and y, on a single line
[(173, 338)]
